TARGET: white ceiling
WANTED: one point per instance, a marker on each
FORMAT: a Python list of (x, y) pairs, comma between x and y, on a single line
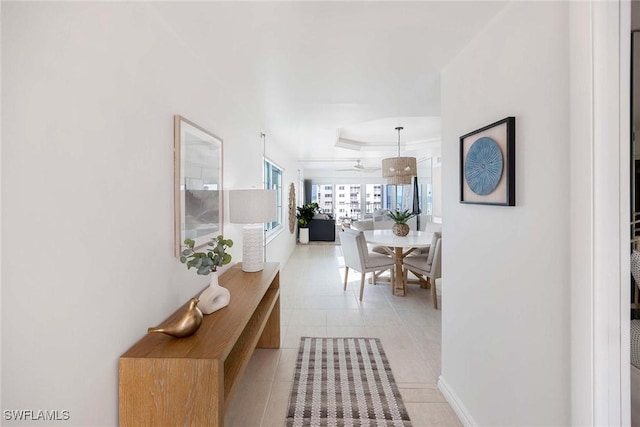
[(336, 69), (356, 70)]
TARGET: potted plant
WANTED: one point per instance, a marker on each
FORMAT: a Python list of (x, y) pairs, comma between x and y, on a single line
[(214, 297), (401, 228), (305, 216)]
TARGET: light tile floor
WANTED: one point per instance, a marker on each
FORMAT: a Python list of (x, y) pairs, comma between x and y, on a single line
[(313, 303)]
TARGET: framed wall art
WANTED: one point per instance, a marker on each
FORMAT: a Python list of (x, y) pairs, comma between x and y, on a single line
[(488, 164), (197, 184)]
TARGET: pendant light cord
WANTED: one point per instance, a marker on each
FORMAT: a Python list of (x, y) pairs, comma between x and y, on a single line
[(399, 128)]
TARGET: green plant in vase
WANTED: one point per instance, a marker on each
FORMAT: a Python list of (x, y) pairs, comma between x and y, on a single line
[(305, 214), (214, 297), (401, 228), (209, 261)]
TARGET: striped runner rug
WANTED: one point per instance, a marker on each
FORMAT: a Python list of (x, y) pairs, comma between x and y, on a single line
[(344, 382)]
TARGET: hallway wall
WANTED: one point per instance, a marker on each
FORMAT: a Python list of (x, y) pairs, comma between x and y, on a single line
[(89, 94), (505, 342)]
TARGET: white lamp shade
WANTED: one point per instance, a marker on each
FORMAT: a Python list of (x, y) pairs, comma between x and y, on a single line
[(252, 206)]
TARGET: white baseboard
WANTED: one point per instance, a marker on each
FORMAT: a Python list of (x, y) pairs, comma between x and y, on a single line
[(455, 403)]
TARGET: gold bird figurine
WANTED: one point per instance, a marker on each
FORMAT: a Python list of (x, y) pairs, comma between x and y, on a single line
[(182, 323)]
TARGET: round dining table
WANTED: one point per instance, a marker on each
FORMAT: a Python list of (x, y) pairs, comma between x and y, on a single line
[(400, 246)]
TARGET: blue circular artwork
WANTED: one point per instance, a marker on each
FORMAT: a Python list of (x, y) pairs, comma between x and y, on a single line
[(483, 166)]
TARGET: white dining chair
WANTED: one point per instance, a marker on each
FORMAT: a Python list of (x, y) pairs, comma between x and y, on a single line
[(357, 256), (426, 267)]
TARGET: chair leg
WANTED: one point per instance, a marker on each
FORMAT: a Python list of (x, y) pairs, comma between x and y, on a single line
[(361, 284), (346, 274), (434, 294)]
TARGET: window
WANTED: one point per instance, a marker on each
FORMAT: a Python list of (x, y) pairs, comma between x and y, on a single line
[(273, 181), (373, 200), (348, 204), (400, 197)]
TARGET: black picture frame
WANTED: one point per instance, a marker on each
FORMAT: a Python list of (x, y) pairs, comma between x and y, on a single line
[(497, 189)]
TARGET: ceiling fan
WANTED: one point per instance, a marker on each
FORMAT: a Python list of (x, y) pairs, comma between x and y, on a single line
[(359, 168)]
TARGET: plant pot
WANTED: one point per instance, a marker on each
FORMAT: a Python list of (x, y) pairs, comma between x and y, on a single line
[(214, 297), (304, 236), (400, 229)]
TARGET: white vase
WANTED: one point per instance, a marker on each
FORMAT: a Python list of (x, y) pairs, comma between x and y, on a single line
[(304, 235), (214, 297)]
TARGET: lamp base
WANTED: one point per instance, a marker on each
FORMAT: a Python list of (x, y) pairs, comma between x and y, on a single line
[(252, 248)]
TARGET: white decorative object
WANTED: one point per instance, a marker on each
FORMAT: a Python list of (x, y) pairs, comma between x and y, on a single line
[(254, 208), (214, 297), (304, 235)]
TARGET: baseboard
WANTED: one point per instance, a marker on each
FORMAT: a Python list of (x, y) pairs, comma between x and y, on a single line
[(455, 403)]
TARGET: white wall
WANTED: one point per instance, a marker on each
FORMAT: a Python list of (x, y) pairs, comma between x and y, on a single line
[(89, 94), (437, 192), (505, 326)]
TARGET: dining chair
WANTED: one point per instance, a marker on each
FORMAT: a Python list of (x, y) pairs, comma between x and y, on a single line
[(426, 267), (357, 256), (430, 227)]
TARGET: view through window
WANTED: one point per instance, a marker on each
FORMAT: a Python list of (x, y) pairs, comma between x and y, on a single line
[(273, 181), (347, 202)]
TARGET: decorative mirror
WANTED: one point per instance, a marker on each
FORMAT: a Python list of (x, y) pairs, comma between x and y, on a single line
[(292, 208), (198, 184)]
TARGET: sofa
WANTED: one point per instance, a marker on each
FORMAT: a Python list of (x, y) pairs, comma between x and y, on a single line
[(322, 229), (378, 220)]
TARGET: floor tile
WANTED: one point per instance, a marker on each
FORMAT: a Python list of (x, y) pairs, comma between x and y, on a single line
[(347, 317), (308, 317), (420, 393), (276, 410), (263, 364), (432, 415), (248, 404), (286, 364)]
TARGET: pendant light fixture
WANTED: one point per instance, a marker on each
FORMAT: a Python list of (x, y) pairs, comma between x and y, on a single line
[(399, 170)]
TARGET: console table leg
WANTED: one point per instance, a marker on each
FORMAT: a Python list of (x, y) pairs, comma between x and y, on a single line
[(270, 337)]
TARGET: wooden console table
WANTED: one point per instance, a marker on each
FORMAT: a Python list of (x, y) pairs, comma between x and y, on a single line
[(166, 381)]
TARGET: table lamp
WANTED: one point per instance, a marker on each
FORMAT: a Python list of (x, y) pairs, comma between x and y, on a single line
[(252, 207)]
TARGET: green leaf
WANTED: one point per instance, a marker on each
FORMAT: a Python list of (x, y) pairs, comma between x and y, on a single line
[(203, 271), (186, 252), (183, 259)]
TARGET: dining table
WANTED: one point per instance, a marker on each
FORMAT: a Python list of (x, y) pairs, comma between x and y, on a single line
[(399, 247)]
